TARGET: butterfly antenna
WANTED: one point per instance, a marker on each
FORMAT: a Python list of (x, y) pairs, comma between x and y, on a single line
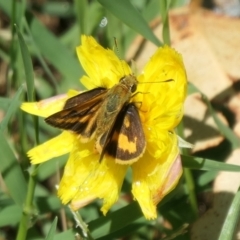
[(164, 81), (116, 46), (118, 54)]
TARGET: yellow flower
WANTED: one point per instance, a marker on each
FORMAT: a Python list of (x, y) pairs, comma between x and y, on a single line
[(157, 172)]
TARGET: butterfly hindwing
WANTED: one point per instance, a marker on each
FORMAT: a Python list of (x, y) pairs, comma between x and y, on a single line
[(126, 142)]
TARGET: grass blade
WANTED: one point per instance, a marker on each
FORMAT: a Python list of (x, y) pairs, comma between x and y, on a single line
[(231, 220), (12, 172), (126, 12), (52, 230), (14, 105), (27, 62), (208, 164)]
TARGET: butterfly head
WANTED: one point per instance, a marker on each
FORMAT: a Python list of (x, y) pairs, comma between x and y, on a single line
[(130, 82)]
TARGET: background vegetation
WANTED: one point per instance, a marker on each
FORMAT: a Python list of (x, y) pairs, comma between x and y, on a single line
[(38, 60)]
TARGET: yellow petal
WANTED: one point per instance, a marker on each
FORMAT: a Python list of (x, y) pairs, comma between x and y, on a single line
[(45, 107), (55, 147), (85, 179), (103, 67), (49, 106), (172, 178), (154, 178), (157, 141), (163, 101)]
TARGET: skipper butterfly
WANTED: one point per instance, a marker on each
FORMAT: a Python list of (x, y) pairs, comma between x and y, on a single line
[(108, 116)]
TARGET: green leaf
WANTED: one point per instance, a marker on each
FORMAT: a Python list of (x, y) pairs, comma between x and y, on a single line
[(69, 235), (206, 178), (12, 172), (231, 220), (48, 204), (115, 221), (60, 9), (151, 10), (9, 167), (164, 8), (126, 12), (207, 164), (13, 107), (94, 17), (27, 62), (48, 168), (192, 89), (4, 103), (120, 219), (80, 10), (52, 230), (10, 215), (50, 47)]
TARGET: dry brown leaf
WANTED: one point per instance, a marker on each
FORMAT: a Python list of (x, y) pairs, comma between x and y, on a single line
[(203, 66)]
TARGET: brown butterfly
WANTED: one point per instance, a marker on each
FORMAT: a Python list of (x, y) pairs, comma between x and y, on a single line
[(108, 116)]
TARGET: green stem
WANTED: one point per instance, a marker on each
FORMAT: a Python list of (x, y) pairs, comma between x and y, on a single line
[(13, 49), (164, 7), (28, 209), (188, 177), (81, 224), (191, 191)]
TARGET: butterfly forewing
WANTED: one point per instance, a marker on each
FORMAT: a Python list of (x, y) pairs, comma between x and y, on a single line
[(80, 115), (84, 97)]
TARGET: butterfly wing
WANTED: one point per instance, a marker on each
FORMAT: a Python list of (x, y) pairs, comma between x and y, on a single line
[(126, 141), (80, 113), (84, 97)]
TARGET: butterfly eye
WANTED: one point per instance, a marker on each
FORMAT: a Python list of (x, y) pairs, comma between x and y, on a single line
[(122, 79), (133, 88)]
